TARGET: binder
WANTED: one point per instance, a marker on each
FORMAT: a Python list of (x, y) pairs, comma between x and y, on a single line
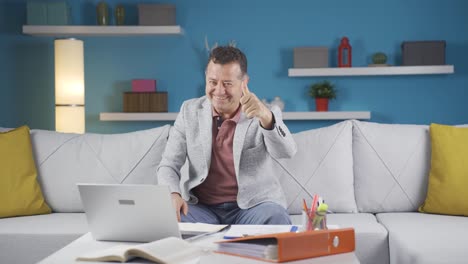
[(288, 246)]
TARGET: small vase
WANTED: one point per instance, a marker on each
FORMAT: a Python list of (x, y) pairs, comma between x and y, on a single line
[(321, 104), (278, 102), (120, 15), (102, 12)]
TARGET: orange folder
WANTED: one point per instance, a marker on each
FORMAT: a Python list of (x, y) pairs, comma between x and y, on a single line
[(289, 246)]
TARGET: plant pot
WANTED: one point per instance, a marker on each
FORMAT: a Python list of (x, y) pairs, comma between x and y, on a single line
[(321, 104)]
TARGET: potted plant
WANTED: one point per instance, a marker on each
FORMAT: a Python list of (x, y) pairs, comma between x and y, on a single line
[(322, 92)]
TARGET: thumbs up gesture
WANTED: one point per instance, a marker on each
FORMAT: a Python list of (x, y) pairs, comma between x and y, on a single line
[(253, 107)]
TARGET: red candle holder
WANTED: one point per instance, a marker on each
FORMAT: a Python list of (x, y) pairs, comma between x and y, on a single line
[(344, 53)]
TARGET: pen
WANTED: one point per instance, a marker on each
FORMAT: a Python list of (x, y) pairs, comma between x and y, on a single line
[(320, 200), (313, 207), (304, 204), (311, 212)]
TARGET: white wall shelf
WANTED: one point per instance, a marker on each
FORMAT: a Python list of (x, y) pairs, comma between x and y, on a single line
[(103, 31), (338, 115), (330, 115), (118, 116), (371, 71)]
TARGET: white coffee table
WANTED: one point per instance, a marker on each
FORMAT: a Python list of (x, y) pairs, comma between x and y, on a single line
[(86, 243)]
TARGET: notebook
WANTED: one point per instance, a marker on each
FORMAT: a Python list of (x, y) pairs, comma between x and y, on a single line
[(126, 212)]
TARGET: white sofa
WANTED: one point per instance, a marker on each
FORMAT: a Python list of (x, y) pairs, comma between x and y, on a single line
[(373, 176)]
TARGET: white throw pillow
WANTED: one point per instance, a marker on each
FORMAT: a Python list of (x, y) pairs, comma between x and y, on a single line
[(391, 166), (322, 165), (64, 159)]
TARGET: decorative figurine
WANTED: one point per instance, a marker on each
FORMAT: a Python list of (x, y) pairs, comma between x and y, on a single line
[(120, 15), (344, 53), (278, 102), (102, 14)]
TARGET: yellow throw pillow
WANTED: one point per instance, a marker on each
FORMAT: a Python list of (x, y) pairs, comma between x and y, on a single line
[(20, 193), (447, 192)]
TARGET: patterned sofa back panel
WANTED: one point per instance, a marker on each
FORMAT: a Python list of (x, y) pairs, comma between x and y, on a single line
[(391, 166), (65, 159), (322, 165)]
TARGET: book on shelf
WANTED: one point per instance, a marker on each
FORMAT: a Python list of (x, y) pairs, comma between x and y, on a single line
[(289, 246), (167, 250)]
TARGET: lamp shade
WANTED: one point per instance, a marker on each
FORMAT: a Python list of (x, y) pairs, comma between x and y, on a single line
[(70, 119), (69, 86)]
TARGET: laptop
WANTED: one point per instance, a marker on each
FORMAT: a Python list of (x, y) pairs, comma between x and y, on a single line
[(129, 212)]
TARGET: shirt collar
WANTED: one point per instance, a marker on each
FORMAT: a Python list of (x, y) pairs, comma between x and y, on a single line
[(235, 118)]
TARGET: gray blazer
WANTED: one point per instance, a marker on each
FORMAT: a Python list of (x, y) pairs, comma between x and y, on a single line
[(254, 149)]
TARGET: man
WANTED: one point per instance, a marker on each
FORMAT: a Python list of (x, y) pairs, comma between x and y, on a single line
[(230, 140)]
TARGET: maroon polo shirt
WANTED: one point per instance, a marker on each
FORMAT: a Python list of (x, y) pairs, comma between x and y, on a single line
[(220, 186)]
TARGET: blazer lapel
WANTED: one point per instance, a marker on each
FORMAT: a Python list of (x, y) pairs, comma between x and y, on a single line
[(205, 124), (239, 138)]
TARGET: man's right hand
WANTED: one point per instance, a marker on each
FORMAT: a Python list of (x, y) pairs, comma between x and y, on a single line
[(179, 204)]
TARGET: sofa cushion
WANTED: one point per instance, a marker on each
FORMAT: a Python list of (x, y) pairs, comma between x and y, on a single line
[(391, 166), (322, 165), (29, 239), (417, 238), (371, 237), (448, 177), (64, 159), (20, 192)]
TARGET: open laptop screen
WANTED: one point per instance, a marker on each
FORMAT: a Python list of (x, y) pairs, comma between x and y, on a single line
[(129, 212)]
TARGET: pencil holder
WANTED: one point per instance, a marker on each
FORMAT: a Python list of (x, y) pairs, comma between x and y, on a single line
[(314, 221)]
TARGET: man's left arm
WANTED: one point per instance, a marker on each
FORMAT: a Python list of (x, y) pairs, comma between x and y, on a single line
[(278, 140)]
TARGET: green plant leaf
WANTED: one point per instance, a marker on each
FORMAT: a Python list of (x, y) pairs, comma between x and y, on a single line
[(323, 89)]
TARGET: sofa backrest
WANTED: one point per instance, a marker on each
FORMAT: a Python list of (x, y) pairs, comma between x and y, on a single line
[(356, 166), (391, 166), (322, 165), (64, 159)]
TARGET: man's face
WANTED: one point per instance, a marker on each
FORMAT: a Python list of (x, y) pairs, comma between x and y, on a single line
[(224, 87)]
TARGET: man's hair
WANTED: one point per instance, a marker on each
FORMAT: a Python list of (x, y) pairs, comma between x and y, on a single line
[(227, 54)]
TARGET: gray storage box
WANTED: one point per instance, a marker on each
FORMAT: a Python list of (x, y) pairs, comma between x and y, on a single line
[(36, 13), (423, 52), (58, 13), (311, 57), (47, 13), (156, 14)]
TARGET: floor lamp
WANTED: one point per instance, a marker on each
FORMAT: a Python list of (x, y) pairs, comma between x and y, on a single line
[(69, 86)]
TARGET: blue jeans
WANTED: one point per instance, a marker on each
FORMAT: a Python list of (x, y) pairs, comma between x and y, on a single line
[(267, 213)]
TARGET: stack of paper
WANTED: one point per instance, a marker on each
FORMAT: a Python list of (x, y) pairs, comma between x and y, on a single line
[(260, 251), (199, 228), (252, 230)]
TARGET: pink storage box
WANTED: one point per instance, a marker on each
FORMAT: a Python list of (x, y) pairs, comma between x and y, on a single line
[(143, 85)]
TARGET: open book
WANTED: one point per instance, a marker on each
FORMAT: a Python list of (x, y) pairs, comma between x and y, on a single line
[(167, 250)]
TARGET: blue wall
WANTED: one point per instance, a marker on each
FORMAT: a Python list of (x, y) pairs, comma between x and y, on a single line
[(267, 31)]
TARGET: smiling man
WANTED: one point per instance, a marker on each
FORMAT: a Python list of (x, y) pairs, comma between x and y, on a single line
[(230, 141)]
